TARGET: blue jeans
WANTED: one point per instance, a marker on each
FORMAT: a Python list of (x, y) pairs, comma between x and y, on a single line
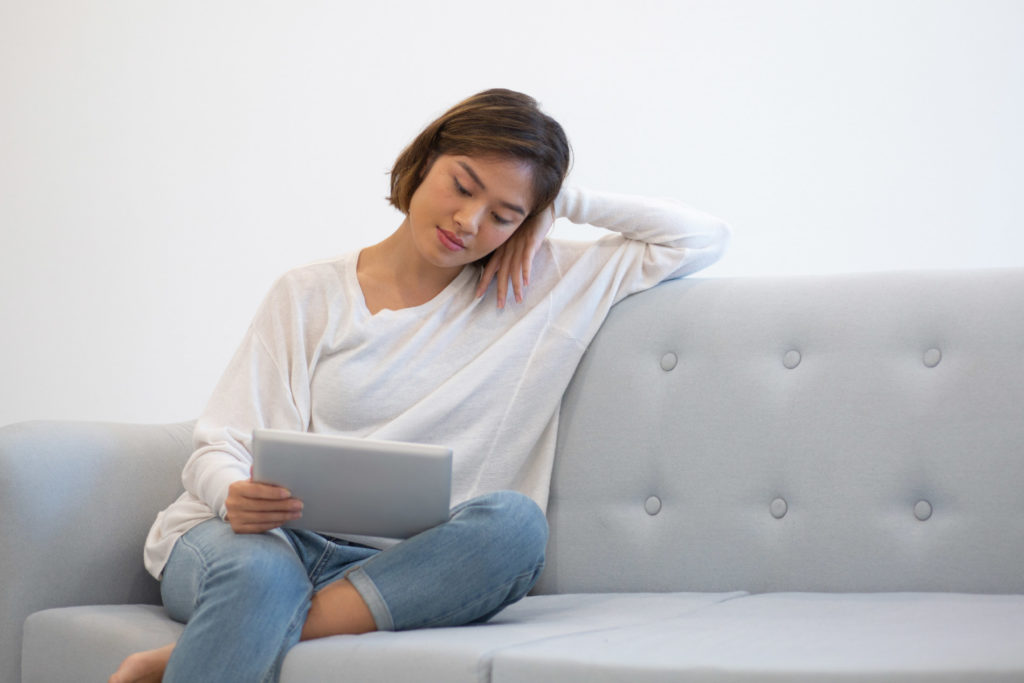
[(244, 597)]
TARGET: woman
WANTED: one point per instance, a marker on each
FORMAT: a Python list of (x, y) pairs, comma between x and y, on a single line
[(399, 342)]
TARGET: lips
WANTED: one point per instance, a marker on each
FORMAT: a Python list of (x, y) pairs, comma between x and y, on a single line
[(449, 240)]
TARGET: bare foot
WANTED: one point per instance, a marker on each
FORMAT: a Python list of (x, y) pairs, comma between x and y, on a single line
[(143, 667)]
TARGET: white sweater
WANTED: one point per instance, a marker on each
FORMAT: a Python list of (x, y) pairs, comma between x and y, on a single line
[(456, 371)]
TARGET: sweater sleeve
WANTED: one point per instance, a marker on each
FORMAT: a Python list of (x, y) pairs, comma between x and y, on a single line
[(659, 239), (651, 240), (266, 384)]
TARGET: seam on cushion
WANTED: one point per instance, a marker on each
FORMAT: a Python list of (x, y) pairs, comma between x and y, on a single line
[(485, 664)]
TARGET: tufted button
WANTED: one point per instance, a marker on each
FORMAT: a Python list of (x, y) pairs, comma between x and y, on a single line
[(652, 505), (668, 361), (932, 357), (923, 510), (778, 508), (791, 359)]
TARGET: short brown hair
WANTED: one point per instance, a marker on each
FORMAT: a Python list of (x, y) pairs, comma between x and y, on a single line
[(497, 122)]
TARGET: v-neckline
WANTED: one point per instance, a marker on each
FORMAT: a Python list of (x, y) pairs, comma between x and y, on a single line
[(431, 303)]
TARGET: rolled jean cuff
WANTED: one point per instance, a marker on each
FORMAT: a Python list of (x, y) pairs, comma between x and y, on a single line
[(372, 597)]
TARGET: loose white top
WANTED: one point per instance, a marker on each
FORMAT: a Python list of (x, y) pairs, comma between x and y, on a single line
[(456, 371)]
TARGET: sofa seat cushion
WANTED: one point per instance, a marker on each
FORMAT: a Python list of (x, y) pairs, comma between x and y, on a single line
[(89, 642), (794, 637), (465, 654)]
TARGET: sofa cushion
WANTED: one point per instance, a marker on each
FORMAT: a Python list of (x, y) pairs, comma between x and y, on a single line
[(793, 637), (93, 640), (87, 643)]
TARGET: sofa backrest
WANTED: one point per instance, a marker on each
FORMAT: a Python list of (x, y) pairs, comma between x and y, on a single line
[(842, 433)]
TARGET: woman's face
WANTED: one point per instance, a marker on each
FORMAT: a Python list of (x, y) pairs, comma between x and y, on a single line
[(466, 207)]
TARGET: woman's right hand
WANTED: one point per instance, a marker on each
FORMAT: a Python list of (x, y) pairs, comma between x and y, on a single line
[(254, 507)]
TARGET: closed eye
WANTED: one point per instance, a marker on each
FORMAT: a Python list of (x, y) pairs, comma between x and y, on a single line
[(461, 189)]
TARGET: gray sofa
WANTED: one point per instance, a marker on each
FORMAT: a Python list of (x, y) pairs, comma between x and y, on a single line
[(758, 479)]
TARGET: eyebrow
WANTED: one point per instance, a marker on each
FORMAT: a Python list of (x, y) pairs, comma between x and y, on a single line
[(472, 174)]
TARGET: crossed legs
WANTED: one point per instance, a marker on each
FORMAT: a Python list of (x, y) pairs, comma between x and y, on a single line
[(248, 599)]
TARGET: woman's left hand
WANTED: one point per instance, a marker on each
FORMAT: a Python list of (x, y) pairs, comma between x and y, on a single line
[(513, 259)]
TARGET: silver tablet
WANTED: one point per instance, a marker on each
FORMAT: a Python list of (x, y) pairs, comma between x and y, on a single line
[(353, 486)]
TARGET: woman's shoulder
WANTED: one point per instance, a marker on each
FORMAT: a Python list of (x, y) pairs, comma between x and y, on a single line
[(315, 276), (314, 285)]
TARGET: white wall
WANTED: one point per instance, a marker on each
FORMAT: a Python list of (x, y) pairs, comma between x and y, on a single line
[(162, 162)]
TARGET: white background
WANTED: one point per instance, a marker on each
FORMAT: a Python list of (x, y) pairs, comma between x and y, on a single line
[(161, 163)]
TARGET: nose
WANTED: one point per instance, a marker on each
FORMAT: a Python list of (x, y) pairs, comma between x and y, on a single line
[(468, 216)]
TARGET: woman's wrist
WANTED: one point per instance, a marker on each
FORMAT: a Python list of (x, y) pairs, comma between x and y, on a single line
[(565, 200)]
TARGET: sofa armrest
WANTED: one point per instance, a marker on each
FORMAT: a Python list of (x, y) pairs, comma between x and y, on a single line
[(76, 502)]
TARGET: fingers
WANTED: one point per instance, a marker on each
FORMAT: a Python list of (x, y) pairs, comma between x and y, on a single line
[(257, 490), (255, 507), (516, 264), (255, 525), (527, 264), (503, 274), (533, 244), (488, 274), (512, 262), (258, 521), (505, 266)]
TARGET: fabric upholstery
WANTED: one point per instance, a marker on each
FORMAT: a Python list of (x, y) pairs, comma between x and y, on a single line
[(780, 637), (87, 643), (76, 501), (906, 394), (93, 640)]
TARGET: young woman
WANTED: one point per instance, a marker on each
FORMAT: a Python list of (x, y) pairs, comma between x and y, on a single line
[(403, 341)]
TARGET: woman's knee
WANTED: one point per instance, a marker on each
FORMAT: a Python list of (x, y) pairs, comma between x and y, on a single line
[(511, 521), (216, 563)]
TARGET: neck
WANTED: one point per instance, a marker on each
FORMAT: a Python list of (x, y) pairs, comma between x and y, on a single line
[(393, 272)]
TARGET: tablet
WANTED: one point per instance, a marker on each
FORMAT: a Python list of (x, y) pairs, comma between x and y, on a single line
[(354, 486)]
